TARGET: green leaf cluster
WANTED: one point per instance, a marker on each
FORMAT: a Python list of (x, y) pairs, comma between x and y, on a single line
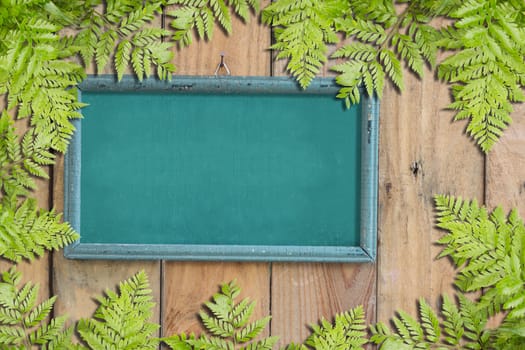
[(489, 251), (302, 31), (25, 231), (228, 324), (460, 325), (122, 321), (348, 332), (25, 323), (378, 41), (34, 73), (41, 42), (486, 39), (200, 16), (121, 33), (487, 69)]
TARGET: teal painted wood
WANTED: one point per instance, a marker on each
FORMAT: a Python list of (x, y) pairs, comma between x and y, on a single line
[(342, 250)]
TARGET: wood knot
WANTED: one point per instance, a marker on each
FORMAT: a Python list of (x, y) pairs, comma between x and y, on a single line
[(416, 168)]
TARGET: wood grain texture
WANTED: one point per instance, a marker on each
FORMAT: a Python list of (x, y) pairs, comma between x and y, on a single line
[(188, 284), (302, 294), (77, 282), (422, 153), (505, 179), (246, 50)]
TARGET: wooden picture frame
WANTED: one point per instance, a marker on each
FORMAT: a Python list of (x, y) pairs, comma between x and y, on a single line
[(364, 250)]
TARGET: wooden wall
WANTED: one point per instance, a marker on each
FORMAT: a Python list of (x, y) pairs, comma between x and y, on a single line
[(422, 153)]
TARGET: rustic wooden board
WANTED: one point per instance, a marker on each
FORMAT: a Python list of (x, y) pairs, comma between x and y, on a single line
[(187, 285), (303, 294), (246, 50), (505, 177), (421, 154), (77, 282)]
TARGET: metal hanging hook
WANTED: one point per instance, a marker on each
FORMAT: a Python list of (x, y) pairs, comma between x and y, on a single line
[(222, 65)]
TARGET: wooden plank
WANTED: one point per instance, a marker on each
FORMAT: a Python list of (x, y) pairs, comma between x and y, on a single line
[(187, 285), (505, 184), (302, 294), (422, 153), (77, 282), (246, 50), (505, 173)]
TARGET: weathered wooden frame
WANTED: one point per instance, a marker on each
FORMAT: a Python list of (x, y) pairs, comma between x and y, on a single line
[(365, 252)]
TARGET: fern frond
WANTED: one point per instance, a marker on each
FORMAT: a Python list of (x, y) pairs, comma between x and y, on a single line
[(347, 332), (179, 341), (487, 72), (228, 323), (263, 344), (39, 313), (409, 51), (458, 327), (122, 320), (392, 67), (429, 321), (303, 30), (200, 16), (452, 323), (489, 249), (22, 322), (118, 34), (26, 231), (251, 330)]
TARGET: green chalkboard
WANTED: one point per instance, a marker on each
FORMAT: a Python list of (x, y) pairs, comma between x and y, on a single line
[(267, 169)]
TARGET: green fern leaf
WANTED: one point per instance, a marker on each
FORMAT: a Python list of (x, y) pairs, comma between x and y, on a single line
[(489, 248), (104, 48), (22, 322), (11, 336), (303, 30), (39, 313), (179, 341), (347, 332), (430, 322), (242, 312), (263, 344), (486, 73), (251, 330), (122, 320), (122, 57), (392, 67), (408, 328), (217, 327), (49, 332), (228, 323), (202, 15), (409, 51), (452, 323)]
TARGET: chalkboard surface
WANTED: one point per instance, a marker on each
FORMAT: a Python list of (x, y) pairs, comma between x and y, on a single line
[(196, 168)]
